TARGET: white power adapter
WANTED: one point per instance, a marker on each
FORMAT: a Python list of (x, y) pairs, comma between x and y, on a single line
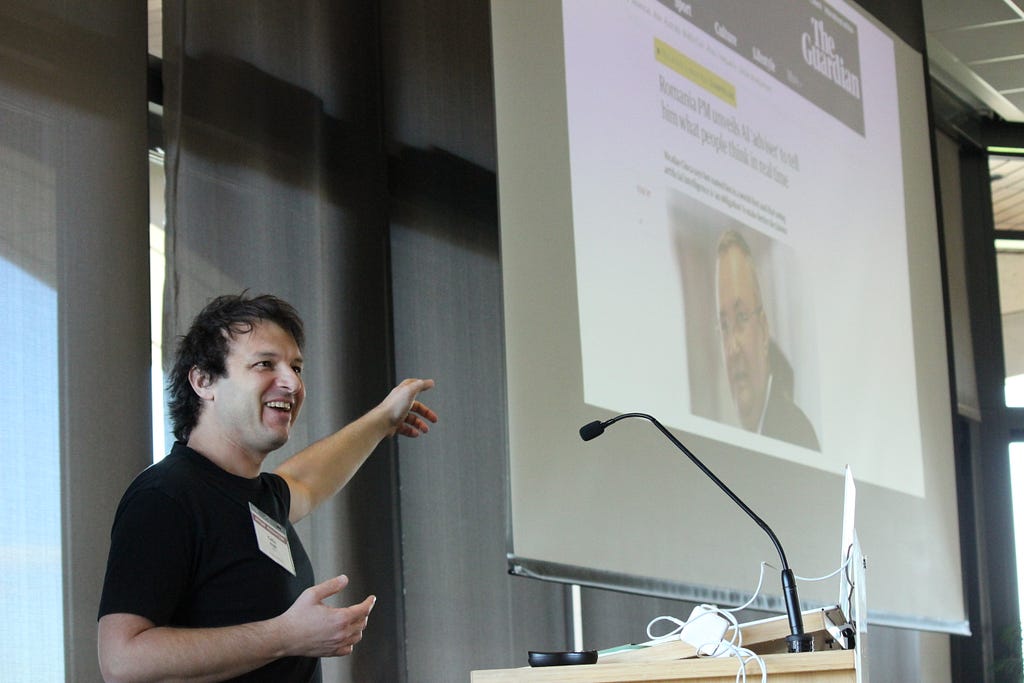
[(705, 629)]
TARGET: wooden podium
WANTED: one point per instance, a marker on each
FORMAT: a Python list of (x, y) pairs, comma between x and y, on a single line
[(676, 661), (835, 666)]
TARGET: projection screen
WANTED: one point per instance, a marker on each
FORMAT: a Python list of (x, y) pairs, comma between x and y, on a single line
[(724, 218)]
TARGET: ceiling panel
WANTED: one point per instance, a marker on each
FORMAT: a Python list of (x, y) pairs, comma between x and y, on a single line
[(942, 15), (976, 49), (984, 42), (1003, 75), (1016, 98)]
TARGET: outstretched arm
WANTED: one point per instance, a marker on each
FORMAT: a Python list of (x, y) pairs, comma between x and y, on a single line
[(132, 648), (316, 473)]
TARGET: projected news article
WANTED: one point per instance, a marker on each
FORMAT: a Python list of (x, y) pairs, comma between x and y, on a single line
[(739, 229)]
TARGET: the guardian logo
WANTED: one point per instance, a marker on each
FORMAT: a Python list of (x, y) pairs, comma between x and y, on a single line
[(819, 51)]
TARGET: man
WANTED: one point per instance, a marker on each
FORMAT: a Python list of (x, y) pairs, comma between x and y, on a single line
[(760, 377), (206, 578)]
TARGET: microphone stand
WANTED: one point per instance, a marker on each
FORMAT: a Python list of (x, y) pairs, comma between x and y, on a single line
[(797, 641)]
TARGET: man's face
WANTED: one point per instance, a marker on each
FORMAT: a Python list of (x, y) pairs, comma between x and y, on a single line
[(256, 402), (745, 338)]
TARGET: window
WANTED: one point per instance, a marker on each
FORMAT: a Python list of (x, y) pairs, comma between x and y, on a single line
[(157, 262), (31, 583), (1007, 178)]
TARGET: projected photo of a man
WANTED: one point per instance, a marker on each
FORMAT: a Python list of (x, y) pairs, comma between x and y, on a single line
[(748, 326), (759, 375)]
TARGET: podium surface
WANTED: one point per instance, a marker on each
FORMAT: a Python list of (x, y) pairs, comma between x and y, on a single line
[(831, 666)]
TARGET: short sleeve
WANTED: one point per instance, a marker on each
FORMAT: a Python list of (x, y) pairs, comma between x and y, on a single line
[(151, 557)]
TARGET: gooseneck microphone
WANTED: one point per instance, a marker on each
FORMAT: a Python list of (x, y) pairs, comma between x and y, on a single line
[(798, 641)]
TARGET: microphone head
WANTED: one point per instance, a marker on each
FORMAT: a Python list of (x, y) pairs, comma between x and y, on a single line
[(591, 430)]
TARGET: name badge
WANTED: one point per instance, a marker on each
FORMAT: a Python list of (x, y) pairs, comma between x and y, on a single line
[(272, 538)]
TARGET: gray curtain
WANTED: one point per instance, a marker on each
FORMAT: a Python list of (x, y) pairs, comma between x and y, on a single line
[(73, 251), (275, 184)]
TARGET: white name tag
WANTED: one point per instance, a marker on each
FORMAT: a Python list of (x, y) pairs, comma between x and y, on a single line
[(272, 538)]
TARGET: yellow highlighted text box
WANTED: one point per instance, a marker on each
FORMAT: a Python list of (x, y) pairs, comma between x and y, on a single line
[(697, 73)]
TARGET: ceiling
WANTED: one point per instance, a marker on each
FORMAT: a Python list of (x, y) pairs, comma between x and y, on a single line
[(976, 50)]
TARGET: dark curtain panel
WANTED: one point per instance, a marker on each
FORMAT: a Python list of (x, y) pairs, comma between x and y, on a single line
[(275, 184)]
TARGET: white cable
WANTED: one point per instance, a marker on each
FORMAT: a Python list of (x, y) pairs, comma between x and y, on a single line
[(680, 624), (734, 646), (666, 636), (746, 656), (757, 591), (719, 648), (843, 566)]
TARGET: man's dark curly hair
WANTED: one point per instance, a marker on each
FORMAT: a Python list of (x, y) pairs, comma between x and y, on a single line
[(205, 346)]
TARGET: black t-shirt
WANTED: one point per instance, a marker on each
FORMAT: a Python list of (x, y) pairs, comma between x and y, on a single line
[(184, 553)]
